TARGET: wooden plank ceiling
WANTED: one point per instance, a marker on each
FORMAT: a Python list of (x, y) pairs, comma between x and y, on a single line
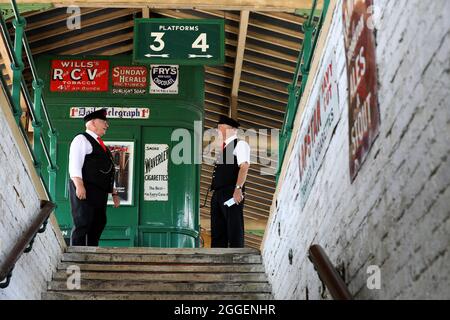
[(261, 55)]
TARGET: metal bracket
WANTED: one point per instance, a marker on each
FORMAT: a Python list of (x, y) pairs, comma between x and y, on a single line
[(7, 280)]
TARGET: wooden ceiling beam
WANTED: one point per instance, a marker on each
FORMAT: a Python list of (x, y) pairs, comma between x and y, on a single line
[(83, 37), (286, 17), (243, 25), (269, 39), (59, 18), (86, 23), (100, 44), (255, 23), (260, 5), (145, 12), (265, 51)]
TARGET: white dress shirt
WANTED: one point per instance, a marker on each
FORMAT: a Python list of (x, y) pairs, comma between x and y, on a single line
[(242, 150), (79, 148)]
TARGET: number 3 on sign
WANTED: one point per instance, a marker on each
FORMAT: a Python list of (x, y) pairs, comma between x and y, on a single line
[(200, 42), (158, 39)]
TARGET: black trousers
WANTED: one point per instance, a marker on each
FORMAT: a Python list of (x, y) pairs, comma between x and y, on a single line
[(227, 223), (89, 218)]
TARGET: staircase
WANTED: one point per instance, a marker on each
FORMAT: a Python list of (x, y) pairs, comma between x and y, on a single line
[(160, 274)]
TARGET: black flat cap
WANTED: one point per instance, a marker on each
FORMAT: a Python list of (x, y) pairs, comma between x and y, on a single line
[(98, 114), (228, 121)]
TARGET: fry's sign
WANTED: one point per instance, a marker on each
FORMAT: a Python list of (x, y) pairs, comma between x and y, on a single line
[(79, 75)]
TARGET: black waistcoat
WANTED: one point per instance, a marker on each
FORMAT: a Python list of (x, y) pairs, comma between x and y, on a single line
[(98, 168), (226, 169)]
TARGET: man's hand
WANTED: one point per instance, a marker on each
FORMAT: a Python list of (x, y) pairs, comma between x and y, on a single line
[(237, 195), (116, 201), (81, 192), (80, 189)]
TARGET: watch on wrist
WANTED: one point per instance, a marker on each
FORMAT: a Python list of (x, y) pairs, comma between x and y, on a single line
[(238, 187)]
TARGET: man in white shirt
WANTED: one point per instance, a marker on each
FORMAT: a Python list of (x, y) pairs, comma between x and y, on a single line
[(91, 170), (230, 173)]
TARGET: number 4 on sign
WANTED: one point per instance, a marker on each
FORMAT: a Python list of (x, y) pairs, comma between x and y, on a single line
[(200, 43)]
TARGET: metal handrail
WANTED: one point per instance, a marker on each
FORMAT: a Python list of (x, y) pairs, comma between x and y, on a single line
[(40, 147), (35, 76), (25, 243), (36, 106), (328, 273), (302, 70)]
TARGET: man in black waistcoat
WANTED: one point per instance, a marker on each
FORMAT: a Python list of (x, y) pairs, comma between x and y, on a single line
[(230, 172), (91, 170)]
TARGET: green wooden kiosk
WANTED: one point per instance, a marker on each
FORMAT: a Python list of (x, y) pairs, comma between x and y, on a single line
[(155, 102), (151, 109)]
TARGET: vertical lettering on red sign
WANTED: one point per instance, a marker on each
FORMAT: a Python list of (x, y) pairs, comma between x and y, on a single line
[(363, 112)]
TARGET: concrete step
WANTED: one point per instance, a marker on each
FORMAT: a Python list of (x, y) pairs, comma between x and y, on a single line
[(164, 268), (162, 258), (164, 251), (168, 287), (167, 277), (82, 295), (161, 274)]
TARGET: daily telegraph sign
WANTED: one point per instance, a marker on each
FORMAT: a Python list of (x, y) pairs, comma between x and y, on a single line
[(179, 41), (112, 112)]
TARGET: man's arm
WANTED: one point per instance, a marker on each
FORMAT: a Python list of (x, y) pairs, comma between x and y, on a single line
[(243, 157), (78, 150), (79, 186), (242, 176)]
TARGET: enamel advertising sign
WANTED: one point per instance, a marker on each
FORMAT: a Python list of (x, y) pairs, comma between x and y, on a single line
[(79, 75)]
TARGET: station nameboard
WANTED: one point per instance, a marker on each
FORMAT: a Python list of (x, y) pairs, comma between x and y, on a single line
[(179, 41)]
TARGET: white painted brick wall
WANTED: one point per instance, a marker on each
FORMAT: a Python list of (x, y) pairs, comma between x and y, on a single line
[(396, 213), (19, 203)]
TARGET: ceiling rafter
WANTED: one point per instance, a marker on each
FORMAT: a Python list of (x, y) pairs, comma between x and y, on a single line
[(243, 24)]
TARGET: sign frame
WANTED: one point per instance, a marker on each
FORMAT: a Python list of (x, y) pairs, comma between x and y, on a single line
[(130, 183), (364, 117), (160, 168), (159, 59)]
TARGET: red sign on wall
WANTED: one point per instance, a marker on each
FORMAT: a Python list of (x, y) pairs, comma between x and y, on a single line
[(79, 75), (129, 76), (363, 113)]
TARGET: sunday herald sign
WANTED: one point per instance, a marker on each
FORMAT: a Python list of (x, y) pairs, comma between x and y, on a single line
[(112, 112), (129, 77), (363, 112), (79, 75), (321, 117)]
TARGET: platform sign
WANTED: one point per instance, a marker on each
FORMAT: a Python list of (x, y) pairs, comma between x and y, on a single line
[(179, 41)]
